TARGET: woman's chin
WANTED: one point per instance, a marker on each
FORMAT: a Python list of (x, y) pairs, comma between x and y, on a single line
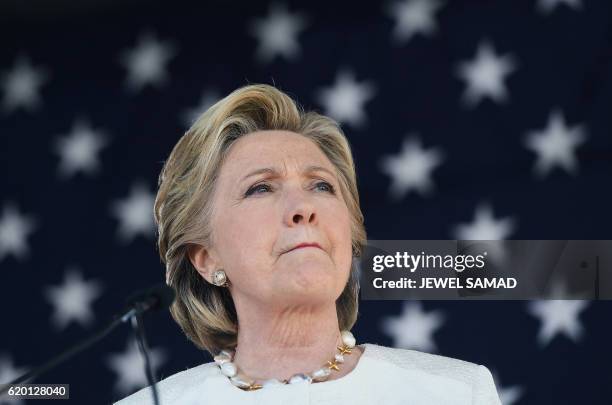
[(311, 278), (308, 275)]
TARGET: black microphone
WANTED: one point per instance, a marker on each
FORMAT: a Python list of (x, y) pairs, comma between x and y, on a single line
[(155, 298), (152, 299)]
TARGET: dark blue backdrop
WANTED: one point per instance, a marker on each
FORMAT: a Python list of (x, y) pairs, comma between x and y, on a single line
[(476, 119)]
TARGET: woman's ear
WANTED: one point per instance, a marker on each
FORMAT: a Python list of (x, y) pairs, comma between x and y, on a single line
[(202, 261)]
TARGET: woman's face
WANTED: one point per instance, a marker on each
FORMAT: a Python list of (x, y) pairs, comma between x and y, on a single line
[(259, 215)]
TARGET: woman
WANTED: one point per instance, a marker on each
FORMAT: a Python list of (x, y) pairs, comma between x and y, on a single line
[(259, 221)]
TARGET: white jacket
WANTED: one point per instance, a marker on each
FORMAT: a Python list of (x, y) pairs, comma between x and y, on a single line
[(383, 375)]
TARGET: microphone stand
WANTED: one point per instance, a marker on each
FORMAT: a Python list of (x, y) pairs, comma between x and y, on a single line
[(138, 326), (134, 314)]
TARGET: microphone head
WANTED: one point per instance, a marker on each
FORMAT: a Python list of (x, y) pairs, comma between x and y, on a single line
[(157, 297), (164, 294)]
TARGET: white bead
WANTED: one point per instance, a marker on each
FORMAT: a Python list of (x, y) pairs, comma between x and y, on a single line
[(240, 382), (339, 358), (348, 339), (222, 358), (272, 382), (321, 374), (229, 369), (298, 378)]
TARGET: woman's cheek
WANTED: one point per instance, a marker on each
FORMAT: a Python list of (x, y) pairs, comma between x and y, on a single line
[(342, 237)]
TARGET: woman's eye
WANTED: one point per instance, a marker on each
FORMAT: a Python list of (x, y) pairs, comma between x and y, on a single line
[(329, 187), (266, 187), (255, 188)]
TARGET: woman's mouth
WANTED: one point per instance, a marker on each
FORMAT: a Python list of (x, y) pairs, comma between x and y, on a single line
[(304, 245)]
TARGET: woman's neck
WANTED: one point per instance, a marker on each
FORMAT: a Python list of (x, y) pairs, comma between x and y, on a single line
[(289, 341)]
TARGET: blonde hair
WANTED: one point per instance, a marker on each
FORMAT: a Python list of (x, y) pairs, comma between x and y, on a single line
[(183, 205)]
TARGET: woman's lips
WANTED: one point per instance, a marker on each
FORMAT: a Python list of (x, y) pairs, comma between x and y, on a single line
[(302, 247), (305, 245)]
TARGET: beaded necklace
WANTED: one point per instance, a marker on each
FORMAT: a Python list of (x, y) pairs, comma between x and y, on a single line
[(224, 361)]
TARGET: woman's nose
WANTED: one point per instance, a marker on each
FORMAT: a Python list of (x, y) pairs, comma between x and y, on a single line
[(300, 210), (304, 217)]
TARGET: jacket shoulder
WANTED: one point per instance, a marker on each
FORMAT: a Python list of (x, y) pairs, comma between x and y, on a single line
[(172, 386), (429, 362), (476, 376)]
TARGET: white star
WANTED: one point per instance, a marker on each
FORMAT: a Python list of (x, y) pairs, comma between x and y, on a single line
[(14, 229), (209, 98), (508, 395), (135, 213), (558, 315), (129, 367), (555, 145), (485, 75), (547, 6), (413, 329), (277, 34), (73, 299), (8, 372), (79, 150), (413, 17), (411, 168), (345, 100), (146, 63), (22, 85), (485, 226)]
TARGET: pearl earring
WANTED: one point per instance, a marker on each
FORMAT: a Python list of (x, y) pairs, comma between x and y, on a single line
[(220, 278)]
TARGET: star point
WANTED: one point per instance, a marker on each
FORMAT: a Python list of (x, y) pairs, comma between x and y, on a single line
[(510, 395), (558, 316), (485, 226), (14, 230), (21, 86), (345, 100), (485, 75), (129, 367), (79, 149), (555, 145), (9, 372), (72, 301), (411, 169), (135, 213), (413, 17), (548, 6), (413, 328), (147, 62), (277, 33)]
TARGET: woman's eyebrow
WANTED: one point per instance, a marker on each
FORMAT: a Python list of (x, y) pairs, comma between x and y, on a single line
[(260, 171), (275, 172), (311, 169)]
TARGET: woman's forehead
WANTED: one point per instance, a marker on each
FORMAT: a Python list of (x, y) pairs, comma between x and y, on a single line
[(279, 150), (273, 140)]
